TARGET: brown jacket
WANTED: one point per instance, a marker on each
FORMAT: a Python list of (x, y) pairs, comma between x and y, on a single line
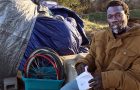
[(118, 59)]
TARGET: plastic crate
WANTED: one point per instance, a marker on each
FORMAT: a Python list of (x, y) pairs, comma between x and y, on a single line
[(42, 84)]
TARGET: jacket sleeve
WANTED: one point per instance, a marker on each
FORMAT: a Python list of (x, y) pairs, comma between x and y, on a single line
[(124, 80)]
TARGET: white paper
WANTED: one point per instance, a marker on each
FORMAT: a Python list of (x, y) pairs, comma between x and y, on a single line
[(82, 80)]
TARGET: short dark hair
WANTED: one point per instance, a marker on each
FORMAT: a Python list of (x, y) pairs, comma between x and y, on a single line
[(119, 3)]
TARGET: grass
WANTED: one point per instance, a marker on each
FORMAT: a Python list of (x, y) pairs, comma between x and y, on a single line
[(94, 17), (135, 13), (92, 27)]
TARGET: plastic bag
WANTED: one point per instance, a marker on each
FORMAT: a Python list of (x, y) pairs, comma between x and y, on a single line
[(17, 18)]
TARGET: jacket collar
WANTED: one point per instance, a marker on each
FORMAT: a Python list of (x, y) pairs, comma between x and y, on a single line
[(133, 31)]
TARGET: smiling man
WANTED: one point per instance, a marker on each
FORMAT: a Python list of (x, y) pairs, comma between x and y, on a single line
[(117, 17), (114, 56)]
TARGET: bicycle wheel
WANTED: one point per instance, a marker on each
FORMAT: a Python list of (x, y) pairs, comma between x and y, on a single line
[(41, 66), (54, 56)]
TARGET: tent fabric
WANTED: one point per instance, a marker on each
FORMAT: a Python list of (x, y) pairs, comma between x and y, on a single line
[(55, 9), (58, 35), (17, 18), (65, 12)]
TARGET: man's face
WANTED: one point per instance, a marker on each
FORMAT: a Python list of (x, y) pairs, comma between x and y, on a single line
[(117, 19)]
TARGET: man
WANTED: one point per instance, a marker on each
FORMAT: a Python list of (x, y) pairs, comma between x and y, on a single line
[(114, 56)]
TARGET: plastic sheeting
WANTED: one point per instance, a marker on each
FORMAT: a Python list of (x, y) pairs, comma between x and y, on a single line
[(65, 12), (17, 19), (58, 35)]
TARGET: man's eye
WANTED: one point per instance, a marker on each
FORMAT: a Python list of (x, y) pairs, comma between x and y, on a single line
[(118, 15), (109, 16)]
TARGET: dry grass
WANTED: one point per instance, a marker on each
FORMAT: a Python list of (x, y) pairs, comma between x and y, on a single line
[(92, 27)]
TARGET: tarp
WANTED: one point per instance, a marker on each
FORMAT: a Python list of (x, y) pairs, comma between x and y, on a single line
[(56, 9), (17, 19), (58, 35), (65, 12)]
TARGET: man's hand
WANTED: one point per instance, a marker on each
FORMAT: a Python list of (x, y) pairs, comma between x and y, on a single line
[(80, 68), (96, 82)]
